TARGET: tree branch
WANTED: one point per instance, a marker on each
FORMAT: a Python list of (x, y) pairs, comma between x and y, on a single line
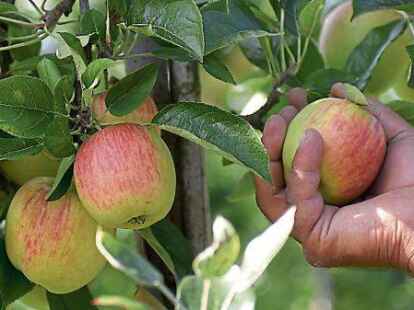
[(52, 17)]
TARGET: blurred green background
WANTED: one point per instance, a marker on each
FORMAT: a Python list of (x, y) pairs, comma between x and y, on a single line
[(289, 282)]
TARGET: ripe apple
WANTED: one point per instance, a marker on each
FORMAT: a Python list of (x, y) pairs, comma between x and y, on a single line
[(353, 150), (52, 243), (143, 114), (339, 36), (125, 176), (22, 170)]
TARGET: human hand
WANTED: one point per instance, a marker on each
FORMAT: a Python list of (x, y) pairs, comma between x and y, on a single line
[(377, 231)]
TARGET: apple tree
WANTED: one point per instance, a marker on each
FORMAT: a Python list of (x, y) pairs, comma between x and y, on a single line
[(103, 133)]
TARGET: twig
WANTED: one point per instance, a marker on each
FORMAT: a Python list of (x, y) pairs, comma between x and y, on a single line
[(255, 119), (17, 22), (52, 17), (36, 7), (25, 43)]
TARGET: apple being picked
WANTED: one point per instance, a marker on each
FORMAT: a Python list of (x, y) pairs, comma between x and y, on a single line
[(125, 176), (354, 147), (52, 243)]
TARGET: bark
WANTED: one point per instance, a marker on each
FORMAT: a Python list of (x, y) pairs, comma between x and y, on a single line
[(179, 81), (192, 195)]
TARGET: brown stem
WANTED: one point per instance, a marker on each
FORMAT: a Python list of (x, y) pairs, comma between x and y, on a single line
[(52, 17)]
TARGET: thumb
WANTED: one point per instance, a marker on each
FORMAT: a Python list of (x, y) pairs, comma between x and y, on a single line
[(392, 123)]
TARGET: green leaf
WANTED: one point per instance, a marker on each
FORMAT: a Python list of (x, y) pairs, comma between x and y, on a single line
[(320, 82), (26, 106), (58, 140), (222, 29), (217, 68), (121, 257), (152, 241), (15, 30), (260, 251), (63, 179), (193, 290), (171, 245), (49, 72), (16, 148), (64, 93), (243, 189), (119, 302), (65, 66), (13, 284), (70, 45), (95, 69), (404, 109), (216, 260), (178, 22), (354, 95), (130, 92), (364, 6), (80, 299), (171, 53), (93, 22), (217, 130), (367, 54), (310, 16)]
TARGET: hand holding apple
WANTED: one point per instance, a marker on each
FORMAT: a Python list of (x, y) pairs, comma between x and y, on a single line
[(377, 231)]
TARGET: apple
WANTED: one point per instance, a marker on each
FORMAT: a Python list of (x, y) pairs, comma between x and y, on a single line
[(353, 147), (22, 170), (143, 114), (125, 177), (339, 36), (52, 243)]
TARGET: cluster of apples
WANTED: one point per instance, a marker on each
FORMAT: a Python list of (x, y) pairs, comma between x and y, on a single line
[(124, 177)]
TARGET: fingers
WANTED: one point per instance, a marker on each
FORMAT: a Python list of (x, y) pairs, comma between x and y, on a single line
[(303, 184), (298, 98), (392, 123), (272, 205), (270, 197)]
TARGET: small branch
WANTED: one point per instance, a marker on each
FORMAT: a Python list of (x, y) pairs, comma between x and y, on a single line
[(255, 119), (52, 17), (34, 5)]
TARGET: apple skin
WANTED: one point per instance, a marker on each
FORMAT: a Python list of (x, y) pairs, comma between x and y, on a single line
[(339, 36), (52, 243), (354, 147), (143, 114), (22, 170), (125, 176)]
